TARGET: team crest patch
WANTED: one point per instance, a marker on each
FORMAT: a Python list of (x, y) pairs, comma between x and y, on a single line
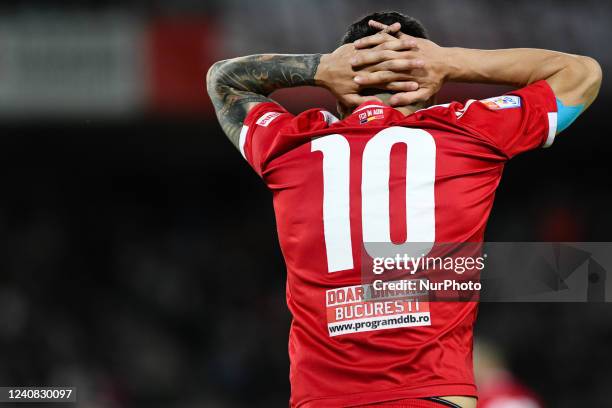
[(502, 102), (267, 118), (370, 115)]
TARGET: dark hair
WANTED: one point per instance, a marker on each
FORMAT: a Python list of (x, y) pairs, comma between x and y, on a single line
[(360, 29)]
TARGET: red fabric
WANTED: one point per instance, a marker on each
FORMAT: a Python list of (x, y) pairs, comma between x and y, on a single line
[(331, 366), (405, 403)]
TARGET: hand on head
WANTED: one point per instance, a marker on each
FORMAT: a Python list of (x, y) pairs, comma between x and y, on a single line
[(397, 62), (390, 61)]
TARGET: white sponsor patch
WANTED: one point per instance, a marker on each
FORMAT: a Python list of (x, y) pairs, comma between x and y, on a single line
[(267, 118), (353, 309), (502, 102)]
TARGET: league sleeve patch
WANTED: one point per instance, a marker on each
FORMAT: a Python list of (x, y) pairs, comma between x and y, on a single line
[(267, 118), (502, 102)]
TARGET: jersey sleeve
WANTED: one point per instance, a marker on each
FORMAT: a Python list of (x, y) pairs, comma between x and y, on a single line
[(270, 131), (259, 132), (516, 122)]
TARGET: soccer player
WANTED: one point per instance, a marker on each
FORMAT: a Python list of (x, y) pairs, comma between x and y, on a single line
[(413, 173)]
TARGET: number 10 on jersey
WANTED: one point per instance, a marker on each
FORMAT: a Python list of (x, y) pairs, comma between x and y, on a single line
[(375, 171)]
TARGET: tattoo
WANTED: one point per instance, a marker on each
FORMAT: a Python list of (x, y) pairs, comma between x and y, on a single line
[(237, 85)]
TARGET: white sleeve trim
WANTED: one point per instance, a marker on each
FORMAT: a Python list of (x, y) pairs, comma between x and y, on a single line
[(370, 107), (463, 110), (328, 117), (442, 105), (552, 129), (242, 140)]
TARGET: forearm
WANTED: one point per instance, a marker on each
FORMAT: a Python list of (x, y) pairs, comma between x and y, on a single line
[(574, 79), (237, 85)]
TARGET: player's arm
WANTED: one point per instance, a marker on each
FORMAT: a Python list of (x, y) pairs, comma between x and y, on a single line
[(237, 85), (575, 80)]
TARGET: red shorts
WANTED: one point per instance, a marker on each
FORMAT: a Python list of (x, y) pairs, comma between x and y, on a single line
[(407, 403)]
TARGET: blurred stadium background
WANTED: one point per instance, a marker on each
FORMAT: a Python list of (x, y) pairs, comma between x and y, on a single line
[(138, 251)]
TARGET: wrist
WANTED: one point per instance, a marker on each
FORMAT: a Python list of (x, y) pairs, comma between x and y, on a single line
[(322, 77), (452, 67)]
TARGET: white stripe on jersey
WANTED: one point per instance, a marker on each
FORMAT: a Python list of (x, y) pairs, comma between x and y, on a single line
[(552, 129), (242, 140)]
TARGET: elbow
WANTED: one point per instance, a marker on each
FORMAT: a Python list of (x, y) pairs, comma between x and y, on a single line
[(593, 72), (590, 74), (213, 76), (580, 79)]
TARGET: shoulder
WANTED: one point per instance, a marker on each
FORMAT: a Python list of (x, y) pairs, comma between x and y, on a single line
[(267, 114), (448, 113), (313, 120)]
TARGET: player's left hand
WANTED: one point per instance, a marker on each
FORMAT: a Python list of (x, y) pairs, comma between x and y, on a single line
[(390, 56), (337, 74)]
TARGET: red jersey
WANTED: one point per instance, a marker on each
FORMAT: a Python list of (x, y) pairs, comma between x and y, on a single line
[(380, 176)]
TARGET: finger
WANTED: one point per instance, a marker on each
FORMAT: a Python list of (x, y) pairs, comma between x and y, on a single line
[(397, 65), (377, 25), (380, 77), (398, 45), (403, 86), (391, 29), (373, 40), (354, 100), (409, 98), (403, 36), (369, 57)]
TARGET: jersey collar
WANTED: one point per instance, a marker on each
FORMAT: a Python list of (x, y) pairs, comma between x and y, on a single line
[(370, 105), (371, 113)]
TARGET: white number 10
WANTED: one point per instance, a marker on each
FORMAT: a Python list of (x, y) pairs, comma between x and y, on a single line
[(420, 200)]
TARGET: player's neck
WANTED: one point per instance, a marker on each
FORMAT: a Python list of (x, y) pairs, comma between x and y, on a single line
[(407, 109), (410, 109)]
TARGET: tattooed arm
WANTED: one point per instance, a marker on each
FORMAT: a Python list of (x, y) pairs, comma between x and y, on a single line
[(237, 85)]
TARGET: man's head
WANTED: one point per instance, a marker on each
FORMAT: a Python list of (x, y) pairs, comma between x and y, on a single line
[(362, 28)]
